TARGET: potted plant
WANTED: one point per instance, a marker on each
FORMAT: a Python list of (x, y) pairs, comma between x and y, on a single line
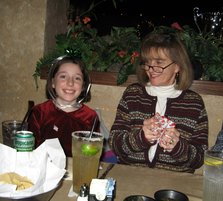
[(119, 50), (116, 52), (204, 49)]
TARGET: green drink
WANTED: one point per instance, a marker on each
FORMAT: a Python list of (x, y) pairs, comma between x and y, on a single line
[(86, 153)]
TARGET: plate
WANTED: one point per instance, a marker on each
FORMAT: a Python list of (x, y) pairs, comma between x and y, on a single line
[(170, 195), (138, 198)]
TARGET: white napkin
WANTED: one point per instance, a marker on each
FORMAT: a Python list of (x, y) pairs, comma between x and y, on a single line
[(102, 188), (45, 167)]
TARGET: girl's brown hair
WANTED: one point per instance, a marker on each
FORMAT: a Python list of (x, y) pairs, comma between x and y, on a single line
[(50, 91)]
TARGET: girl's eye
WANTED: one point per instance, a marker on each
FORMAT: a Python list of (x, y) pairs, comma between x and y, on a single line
[(62, 76), (78, 78), (66, 77)]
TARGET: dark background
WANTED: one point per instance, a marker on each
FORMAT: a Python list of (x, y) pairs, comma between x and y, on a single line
[(143, 13)]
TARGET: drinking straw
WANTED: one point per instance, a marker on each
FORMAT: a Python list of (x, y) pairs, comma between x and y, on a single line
[(92, 129), (30, 106)]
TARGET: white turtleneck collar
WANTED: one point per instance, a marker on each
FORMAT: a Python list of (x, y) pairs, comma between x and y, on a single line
[(162, 93)]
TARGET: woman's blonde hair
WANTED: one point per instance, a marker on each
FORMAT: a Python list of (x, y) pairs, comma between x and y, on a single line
[(174, 48)]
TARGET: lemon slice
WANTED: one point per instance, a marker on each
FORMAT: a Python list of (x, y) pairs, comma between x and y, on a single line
[(89, 150), (213, 162)]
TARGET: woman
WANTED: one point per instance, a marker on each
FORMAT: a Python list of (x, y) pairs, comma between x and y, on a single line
[(67, 87), (160, 122)]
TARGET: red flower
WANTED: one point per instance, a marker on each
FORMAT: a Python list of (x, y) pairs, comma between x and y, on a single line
[(86, 20), (175, 25), (122, 53), (134, 56)]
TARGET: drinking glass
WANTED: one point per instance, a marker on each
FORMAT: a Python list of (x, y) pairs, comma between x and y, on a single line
[(213, 176), (9, 129), (86, 152)]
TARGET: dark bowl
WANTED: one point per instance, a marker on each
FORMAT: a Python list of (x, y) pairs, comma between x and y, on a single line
[(138, 198), (170, 195), (46, 196)]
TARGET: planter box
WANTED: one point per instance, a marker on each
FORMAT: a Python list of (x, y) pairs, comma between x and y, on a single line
[(200, 86), (110, 78)]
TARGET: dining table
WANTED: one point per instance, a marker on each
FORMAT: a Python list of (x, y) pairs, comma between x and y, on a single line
[(137, 180)]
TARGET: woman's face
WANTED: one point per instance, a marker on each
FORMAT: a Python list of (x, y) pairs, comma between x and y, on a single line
[(166, 74), (68, 83)]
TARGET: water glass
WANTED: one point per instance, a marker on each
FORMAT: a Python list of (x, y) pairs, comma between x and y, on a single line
[(9, 129), (213, 176)]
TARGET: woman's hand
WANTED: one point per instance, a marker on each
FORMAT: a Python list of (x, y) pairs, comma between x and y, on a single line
[(151, 134), (169, 139)]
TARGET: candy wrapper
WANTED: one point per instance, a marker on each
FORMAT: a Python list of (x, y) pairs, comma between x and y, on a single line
[(162, 123), (45, 167)]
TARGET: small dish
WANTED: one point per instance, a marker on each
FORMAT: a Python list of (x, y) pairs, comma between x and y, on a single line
[(138, 198), (170, 195)]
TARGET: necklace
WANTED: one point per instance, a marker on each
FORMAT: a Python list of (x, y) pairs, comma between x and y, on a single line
[(74, 105), (61, 106)]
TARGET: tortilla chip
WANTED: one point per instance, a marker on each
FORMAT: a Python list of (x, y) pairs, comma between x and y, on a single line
[(16, 179)]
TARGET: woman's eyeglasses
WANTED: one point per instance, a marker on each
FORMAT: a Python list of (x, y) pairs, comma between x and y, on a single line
[(157, 69)]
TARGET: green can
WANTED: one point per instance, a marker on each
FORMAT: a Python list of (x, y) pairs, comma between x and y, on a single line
[(24, 141)]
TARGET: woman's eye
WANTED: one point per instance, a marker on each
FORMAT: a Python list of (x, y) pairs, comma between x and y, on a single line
[(159, 63)]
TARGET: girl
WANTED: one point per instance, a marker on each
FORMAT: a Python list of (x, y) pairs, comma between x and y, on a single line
[(67, 87)]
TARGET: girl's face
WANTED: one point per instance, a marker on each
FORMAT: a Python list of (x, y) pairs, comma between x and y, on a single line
[(68, 83), (166, 74)]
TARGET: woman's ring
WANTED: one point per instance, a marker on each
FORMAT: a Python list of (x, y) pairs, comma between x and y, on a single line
[(171, 141), (152, 141)]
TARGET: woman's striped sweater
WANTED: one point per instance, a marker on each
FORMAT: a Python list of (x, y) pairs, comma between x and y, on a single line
[(187, 111)]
